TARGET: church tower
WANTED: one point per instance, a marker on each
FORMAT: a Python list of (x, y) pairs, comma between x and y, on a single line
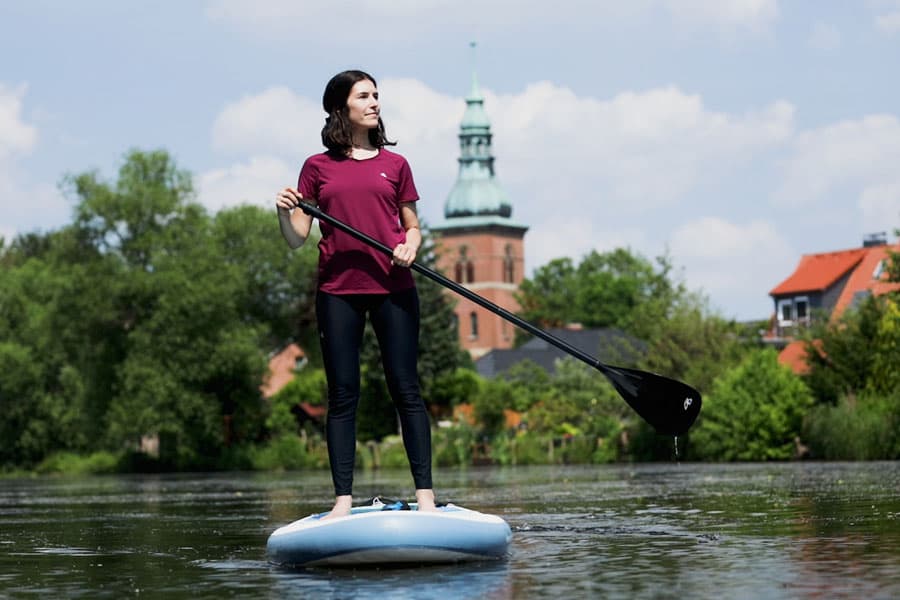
[(480, 246)]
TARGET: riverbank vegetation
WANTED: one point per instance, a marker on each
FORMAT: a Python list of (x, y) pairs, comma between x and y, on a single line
[(137, 337)]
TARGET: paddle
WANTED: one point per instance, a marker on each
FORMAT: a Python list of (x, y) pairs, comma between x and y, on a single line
[(668, 405)]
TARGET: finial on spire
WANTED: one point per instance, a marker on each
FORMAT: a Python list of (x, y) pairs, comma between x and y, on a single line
[(475, 93)]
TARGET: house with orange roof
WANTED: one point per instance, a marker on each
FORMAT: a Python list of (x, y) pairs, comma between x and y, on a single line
[(827, 284), (283, 367)]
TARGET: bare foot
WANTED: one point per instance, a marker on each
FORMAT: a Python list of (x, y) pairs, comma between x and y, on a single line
[(342, 506), (425, 500)]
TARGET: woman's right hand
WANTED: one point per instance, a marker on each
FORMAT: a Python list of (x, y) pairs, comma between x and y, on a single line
[(288, 199)]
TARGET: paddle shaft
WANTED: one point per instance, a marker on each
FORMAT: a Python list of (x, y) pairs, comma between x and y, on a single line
[(462, 291)]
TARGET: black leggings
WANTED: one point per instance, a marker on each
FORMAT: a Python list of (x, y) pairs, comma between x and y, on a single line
[(395, 319)]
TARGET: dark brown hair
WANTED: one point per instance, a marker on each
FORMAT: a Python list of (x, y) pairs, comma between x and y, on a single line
[(336, 134)]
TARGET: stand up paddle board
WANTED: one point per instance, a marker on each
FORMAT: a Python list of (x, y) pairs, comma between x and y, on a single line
[(387, 532)]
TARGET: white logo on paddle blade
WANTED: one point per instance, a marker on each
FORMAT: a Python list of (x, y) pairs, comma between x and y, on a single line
[(688, 402)]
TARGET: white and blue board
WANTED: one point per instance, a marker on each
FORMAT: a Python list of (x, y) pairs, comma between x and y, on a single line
[(376, 535)]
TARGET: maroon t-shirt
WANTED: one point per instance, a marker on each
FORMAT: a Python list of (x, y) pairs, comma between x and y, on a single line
[(365, 194)]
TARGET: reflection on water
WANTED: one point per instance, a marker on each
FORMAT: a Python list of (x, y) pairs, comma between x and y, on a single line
[(760, 530)]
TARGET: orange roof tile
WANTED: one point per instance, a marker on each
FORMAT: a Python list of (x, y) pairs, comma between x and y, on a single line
[(817, 272), (863, 278), (794, 356)]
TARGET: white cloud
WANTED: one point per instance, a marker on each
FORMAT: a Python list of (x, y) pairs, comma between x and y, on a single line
[(849, 158), (880, 207), (824, 37), (19, 197), (639, 149), (421, 18), (724, 14), (275, 120), (889, 22), (255, 181), (636, 151), (737, 264), (16, 136), (558, 235)]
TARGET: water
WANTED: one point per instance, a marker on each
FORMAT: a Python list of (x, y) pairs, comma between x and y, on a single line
[(795, 530)]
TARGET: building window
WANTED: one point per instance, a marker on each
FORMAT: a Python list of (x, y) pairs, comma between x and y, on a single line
[(473, 321), (786, 312), (508, 265), (464, 270), (793, 311), (801, 309)]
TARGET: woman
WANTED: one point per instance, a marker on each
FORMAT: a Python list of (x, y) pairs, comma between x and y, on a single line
[(358, 181)]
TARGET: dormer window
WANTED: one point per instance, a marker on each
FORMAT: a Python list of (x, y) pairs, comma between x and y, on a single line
[(785, 312), (793, 311)]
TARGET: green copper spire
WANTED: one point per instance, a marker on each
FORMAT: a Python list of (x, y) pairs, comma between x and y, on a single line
[(476, 192)]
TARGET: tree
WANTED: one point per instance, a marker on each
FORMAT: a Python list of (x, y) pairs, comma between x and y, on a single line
[(190, 350), (693, 344), (278, 284), (613, 289), (841, 354), (755, 412)]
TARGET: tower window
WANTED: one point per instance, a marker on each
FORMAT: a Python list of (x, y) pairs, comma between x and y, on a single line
[(473, 322), (464, 271), (508, 265)]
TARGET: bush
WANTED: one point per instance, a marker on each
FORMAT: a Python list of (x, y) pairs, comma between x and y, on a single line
[(530, 448), (283, 452), (452, 446), (393, 453), (867, 428), (755, 412), (68, 463)]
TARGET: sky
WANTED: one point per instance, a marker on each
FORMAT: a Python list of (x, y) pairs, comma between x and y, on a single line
[(733, 136)]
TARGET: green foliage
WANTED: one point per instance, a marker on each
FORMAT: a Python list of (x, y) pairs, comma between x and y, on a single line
[(841, 354), (68, 463), (493, 398), (283, 452), (392, 453), (452, 446), (529, 448), (453, 388), (864, 428), (310, 386), (276, 285), (616, 288), (693, 344), (884, 378), (754, 412)]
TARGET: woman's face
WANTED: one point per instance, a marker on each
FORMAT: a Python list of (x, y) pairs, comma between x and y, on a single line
[(362, 105)]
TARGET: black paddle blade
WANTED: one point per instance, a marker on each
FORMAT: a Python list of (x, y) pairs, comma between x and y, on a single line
[(670, 406)]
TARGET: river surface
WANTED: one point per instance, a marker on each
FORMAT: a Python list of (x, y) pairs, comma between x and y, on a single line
[(796, 530)]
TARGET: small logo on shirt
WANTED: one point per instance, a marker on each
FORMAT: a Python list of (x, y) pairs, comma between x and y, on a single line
[(383, 175)]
